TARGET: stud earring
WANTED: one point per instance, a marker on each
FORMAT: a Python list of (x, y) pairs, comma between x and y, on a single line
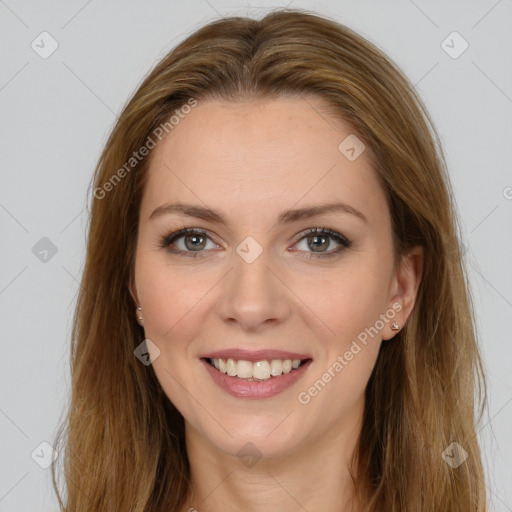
[(140, 309), (395, 326)]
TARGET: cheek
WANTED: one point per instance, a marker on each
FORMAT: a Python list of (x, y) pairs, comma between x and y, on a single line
[(169, 298), (346, 303), (346, 359)]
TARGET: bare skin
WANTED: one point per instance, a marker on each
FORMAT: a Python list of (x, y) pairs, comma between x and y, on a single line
[(251, 161)]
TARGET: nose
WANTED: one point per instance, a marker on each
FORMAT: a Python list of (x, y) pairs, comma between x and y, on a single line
[(254, 294)]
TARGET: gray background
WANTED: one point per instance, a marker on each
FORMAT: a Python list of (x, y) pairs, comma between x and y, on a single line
[(55, 117)]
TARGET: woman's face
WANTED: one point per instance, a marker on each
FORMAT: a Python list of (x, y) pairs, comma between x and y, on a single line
[(253, 285)]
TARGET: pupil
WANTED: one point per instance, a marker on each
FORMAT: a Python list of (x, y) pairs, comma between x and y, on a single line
[(195, 239), (316, 238)]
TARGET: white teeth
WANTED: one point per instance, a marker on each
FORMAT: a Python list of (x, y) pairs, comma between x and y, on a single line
[(276, 367), (260, 370), (231, 367), (244, 370), (287, 366)]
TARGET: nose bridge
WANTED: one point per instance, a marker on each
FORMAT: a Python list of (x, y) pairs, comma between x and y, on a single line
[(253, 294), (251, 267)]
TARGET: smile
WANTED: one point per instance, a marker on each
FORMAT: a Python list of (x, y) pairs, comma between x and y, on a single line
[(257, 371), (255, 380)]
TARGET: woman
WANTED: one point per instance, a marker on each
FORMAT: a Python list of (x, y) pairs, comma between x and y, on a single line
[(274, 314)]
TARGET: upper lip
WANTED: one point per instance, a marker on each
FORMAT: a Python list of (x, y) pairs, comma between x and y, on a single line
[(253, 355)]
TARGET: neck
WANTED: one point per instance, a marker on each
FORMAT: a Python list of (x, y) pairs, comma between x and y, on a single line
[(314, 477)]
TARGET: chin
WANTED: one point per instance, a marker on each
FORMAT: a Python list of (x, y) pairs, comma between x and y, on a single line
[(253, 437)]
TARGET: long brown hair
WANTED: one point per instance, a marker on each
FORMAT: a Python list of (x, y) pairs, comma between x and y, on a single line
[(124, 440)]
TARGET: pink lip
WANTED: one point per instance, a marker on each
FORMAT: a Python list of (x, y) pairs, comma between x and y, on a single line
[(255, 390), (253, 355)]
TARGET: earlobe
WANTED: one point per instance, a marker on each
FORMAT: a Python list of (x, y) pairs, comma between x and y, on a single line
[(138, 313)]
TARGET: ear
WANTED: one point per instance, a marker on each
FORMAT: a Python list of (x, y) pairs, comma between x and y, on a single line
[(404, 288), (133, 291)]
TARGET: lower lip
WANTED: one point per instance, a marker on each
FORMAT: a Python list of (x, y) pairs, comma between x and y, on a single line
[(254, 390)]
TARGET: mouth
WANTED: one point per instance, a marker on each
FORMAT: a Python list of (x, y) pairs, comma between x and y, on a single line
[(257, 379), (257, 371)]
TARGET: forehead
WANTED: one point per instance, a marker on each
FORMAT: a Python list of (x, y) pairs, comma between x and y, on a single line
[(280, 126), (257, 154)]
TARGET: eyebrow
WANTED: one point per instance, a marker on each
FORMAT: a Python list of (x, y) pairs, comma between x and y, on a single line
[(286, 217)]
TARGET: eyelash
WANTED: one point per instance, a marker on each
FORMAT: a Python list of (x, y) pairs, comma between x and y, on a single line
[(344, 242)]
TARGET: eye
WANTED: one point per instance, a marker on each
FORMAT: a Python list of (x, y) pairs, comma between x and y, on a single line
[(192, 241), (319, 239)]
